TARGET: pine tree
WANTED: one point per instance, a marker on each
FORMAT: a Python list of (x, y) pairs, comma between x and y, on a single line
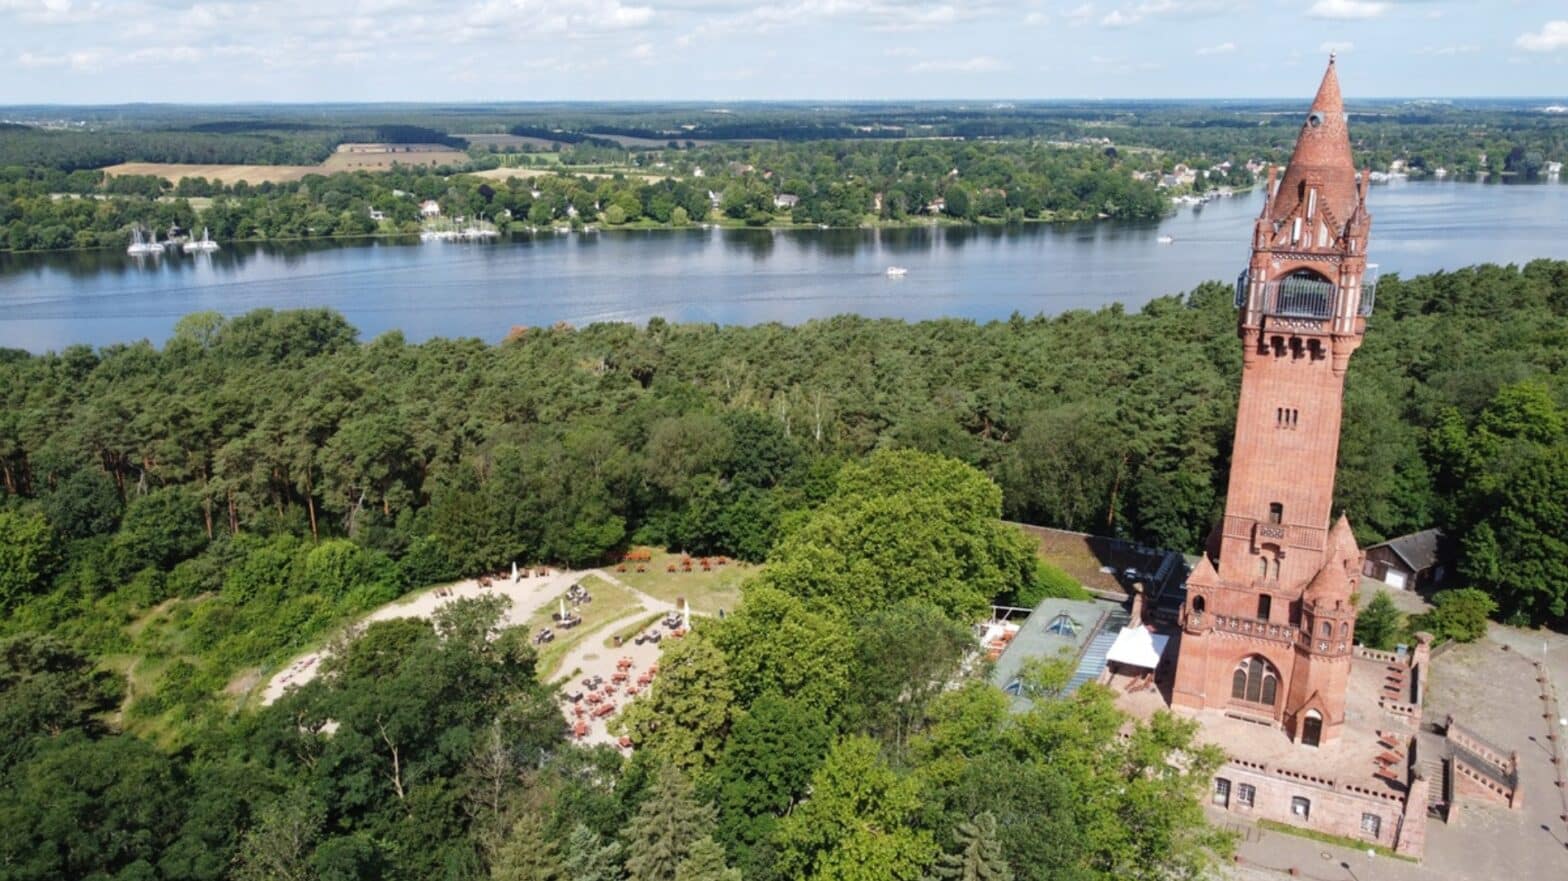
[(588, 857), (705, 862), (1379, 625), (979, 855), (667, 824), (527, 854)]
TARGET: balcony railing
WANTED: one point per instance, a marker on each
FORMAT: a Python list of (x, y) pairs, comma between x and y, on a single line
[(1298, 297)]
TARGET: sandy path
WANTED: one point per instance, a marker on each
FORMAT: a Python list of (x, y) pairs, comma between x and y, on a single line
[(527, 595)]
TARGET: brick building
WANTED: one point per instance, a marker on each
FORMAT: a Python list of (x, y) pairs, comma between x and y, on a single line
[(1267, 628), (1318, 733)]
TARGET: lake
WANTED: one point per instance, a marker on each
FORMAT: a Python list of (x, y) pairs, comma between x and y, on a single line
[(48, 301)]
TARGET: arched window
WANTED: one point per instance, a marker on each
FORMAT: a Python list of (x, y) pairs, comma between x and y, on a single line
[(1198, 604), (1255, 681), (1344, 630), (1265, 605), (1328, 628)]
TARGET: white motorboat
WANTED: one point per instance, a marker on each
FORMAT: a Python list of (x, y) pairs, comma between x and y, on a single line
[(1166, 240), (896, 272)]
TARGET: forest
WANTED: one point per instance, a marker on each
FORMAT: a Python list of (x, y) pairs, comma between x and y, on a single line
[(1452, 134), (173, 516)]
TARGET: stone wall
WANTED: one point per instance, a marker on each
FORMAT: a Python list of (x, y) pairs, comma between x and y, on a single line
[(1334, 808)]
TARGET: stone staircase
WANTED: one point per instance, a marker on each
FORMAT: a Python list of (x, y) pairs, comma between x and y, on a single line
[(1439, 794)]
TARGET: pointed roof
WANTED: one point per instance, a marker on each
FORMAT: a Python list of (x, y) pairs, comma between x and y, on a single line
[(1322, 156), (1204, 574), (1342, 540)]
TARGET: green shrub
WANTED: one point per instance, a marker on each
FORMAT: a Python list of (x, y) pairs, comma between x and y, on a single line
[(1459, 615)]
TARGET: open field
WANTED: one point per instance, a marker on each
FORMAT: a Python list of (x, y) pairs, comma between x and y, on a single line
[(225, 174), (381, 157), (349, 157), (708, 592)]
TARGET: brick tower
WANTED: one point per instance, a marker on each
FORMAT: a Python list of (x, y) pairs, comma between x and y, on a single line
[(1266, 631)]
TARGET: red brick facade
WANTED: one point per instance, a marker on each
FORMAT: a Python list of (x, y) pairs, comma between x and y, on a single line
[(1267, 628)]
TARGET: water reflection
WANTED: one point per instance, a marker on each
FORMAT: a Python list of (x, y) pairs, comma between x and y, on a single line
[(737, 276)]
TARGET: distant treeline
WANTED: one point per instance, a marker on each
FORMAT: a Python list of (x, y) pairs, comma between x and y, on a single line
[(211, 143)]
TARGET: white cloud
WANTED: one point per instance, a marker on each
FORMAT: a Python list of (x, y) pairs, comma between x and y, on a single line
[(1552, 37), (1129, 16), (1465, 49), (1079, 15), (1348, 9), (81, 59), (977, 64), (1036, 19), (1338, 47), (1221, 49)]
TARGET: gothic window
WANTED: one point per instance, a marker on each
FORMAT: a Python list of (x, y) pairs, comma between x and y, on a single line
[(1264, 604), (1276, 512), (1263, 567), (1344, 630), (1197, 604), (1255, 681), (1328, 628)]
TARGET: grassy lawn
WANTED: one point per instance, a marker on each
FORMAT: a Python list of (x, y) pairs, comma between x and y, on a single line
[(708, 592), (610, 604), (1336, 840)]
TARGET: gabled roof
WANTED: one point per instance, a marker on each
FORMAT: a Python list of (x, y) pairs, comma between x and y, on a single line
[(1419, 550)]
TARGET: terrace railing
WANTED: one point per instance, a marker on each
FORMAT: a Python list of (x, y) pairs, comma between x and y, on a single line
[(1298, 297)]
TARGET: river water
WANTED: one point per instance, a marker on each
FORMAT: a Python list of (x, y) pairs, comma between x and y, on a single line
[(48, 301)]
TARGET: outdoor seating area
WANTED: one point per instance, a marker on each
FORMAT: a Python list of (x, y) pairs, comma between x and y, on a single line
[(636, 557), (706, 564), (598, 699), (565, 618)]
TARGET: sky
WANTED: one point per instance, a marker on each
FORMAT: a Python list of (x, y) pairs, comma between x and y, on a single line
[(115, 51)]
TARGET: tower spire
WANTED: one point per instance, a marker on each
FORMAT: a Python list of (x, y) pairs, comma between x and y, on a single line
[(1322, 157)]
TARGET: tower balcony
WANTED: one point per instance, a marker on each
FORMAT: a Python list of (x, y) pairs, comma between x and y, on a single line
[(1298, 296)]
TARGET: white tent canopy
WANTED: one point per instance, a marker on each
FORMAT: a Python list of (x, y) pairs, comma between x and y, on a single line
[(1137, 647)]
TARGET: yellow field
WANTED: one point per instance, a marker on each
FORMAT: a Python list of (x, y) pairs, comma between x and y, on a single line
[(349, 157), (380, 157), (227, 174)]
